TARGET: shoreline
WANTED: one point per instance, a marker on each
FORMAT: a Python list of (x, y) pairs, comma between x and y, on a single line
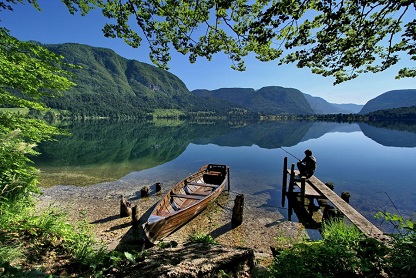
[(99, 205)]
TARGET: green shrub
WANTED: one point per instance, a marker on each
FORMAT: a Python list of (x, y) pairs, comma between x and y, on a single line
[(202, 238), (401, 261), (343, 252), (37, 234)]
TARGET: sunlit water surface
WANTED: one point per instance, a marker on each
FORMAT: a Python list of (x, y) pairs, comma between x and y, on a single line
[(379, 177)]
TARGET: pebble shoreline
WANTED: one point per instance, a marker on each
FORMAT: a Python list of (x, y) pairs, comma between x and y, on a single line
[(99, 205)]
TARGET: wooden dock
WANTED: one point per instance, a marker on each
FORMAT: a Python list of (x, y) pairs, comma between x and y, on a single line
[(314, 188)]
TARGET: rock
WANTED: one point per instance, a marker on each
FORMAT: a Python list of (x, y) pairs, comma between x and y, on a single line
[(195, 260)]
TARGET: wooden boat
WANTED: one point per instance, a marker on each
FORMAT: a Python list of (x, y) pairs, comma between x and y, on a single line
[(185, 200)]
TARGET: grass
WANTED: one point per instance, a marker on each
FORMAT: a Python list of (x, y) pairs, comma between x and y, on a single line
[(167, 113), (202, 238), (21, 111), (345, 252), (44, 239)]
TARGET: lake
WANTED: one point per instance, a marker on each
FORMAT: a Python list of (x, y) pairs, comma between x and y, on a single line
[(374, 163)]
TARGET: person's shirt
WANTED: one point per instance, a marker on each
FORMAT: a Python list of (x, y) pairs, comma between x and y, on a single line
[(310, 162)]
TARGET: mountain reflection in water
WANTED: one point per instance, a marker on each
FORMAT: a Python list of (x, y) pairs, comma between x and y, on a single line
[(105, 150)]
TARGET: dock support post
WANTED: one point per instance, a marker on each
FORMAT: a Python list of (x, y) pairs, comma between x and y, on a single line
[(292, 179), (228, 178), (302, 189), (346, 196), (284, 181), (290, 192), (237, 218)]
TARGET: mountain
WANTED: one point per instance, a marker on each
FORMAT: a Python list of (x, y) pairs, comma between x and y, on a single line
[(267, 100), (349, 107), (391, 99), (110, 85), (321, 106)]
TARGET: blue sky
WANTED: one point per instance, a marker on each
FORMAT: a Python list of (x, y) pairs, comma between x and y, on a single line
[(54, 24)]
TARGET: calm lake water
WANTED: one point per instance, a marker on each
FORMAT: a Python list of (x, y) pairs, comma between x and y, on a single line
[(376, 164)]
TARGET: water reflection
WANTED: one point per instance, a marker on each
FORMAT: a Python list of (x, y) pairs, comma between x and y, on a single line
[(102, 150), (399, 134)]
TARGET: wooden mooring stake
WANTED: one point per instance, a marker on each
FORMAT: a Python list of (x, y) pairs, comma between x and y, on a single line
[(158, 187), (125, 207), (144, 192), (238, 210), (135, 217)]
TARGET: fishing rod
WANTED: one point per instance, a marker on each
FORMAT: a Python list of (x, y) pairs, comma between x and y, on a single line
[(268, 140), (288, 153)]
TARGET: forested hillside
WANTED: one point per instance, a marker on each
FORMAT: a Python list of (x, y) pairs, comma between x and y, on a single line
[(267, 100), (321, 106), (391, 99), (109, 85), (403, 113)]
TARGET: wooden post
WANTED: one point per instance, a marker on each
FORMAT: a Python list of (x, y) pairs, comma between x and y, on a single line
[(284, 182), (238, 208), (302, 189), (158, 187), (346, 196), (228, 179), (144, 192), (135, 219), (292, 179), (125, 207)]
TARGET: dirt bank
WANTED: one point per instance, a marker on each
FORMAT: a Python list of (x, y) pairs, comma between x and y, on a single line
[(99, 205)]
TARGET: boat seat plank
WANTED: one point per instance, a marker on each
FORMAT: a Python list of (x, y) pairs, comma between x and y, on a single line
[(203, 184), (187, 196)]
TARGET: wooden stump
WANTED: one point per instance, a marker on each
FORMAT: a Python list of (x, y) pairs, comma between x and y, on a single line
[(158, 187), (125, 207), (237, 218), (144, 192), (135, 217), (346, 196)]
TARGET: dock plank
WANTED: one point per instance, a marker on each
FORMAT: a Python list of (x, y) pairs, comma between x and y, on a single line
[(309, 190), (368, 228), (354, 216)]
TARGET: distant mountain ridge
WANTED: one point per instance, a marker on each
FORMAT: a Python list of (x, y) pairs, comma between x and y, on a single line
[(110, 85), (391, 99), (278, 100), (267, 100), (321, 106)]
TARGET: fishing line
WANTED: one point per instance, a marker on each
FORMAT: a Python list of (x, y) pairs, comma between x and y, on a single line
[(391, 201)]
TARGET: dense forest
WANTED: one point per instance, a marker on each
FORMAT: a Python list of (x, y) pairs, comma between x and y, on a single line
[(111, 86)]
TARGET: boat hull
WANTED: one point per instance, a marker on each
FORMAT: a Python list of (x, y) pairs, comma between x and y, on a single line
[(186, 200)]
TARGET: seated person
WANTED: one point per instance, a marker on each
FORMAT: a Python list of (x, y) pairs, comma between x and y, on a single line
[(307, 166)]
